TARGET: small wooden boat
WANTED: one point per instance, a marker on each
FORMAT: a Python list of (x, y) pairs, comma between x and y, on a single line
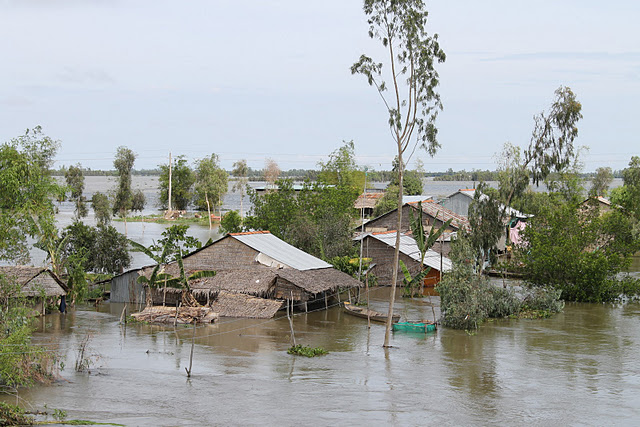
[(421, 327), (365, 313)]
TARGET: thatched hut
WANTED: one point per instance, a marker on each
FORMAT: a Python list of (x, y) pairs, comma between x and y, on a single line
[(257, 264), (38, 284)]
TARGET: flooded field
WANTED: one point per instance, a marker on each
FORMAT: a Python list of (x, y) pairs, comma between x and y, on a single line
[(578, 368)]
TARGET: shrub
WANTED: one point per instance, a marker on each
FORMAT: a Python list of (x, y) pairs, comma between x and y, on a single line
[(300, 350)]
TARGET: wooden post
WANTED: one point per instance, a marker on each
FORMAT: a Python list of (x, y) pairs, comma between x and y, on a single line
[(293, 337), (306, 308), (175, 321), (123, 315), (193, 343), (326, 304)]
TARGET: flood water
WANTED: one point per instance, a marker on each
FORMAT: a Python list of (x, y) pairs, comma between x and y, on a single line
[(579, 367)]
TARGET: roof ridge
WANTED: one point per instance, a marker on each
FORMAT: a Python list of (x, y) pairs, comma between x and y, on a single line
[(244, 233)]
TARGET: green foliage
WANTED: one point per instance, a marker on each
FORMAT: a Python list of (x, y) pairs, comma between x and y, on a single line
[(342, 170), (468, 299), (231, 222), (411, 180), (26, 192), (124, 200), (300, 350), (11, 415), (601, 182), (388, 202), (75, 181), (579, 250), (317, 220), (182, 179), (100, 249), (240, 172), (21, 363), (628, 196), (349, 265), (101, 208), (486, 219), (211, 183)]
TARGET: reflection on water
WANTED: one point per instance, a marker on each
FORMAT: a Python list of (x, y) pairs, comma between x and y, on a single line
[(579, 367)]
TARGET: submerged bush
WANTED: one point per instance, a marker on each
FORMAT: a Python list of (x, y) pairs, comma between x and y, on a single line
[(11, 415), (300, 350), (468, 299)]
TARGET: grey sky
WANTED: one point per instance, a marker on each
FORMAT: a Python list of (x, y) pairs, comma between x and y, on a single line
[(254, 79)]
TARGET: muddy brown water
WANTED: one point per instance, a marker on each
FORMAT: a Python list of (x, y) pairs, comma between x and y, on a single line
[(579, 367)]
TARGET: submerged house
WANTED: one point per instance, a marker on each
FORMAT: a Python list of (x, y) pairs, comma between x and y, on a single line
[(380, 248), (257, 264), (38, 284), (433, 215)]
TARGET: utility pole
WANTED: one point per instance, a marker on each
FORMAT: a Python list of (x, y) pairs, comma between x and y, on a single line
[(169, 183)]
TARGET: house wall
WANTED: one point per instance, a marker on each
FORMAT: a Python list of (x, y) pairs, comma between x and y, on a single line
[(125, 288), (389, 222), (382, 255), (459, 203)]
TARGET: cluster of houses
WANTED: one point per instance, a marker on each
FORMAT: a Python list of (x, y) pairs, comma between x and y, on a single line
[(257, 273)]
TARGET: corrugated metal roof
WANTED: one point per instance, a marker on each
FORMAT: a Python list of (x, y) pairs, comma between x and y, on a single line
[(268, 244), (409, 247), (415, 199)]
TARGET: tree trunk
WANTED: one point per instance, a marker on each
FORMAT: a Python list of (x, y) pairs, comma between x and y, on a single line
[(206, 198), (396, 252)]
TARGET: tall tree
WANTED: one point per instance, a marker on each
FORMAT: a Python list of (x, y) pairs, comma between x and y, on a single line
[(413, 105), (628, 196), (211, 184), (550, 149), (240, 171), (26, 192), (101, 208), (182, 180), (341, 169), (75, 181), (601, 182), (271, 172), (124, 197)]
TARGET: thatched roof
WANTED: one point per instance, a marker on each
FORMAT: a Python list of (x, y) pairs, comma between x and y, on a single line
[(231, 304), (256, 281), (320, 280), (35, 279)]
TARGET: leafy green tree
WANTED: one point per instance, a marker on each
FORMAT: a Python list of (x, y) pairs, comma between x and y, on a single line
[(182, 180), (601, 182), (413, 105), (486, 222), (579, 251), (411, 181), (550, 150), (75, 181), (231, 222), (26, 192), (22, 363), (318, 219), (101, 208), (628, 195), (110, 251), (240, 172), (342, 170), (211, 184), (123, 202), (388, 202)]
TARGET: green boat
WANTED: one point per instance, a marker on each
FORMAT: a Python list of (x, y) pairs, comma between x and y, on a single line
[(421, 327)]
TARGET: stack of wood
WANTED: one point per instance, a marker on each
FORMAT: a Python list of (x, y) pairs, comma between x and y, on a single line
[(182, 315)]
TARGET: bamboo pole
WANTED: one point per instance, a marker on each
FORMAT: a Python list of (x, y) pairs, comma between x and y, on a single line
[(293, 336), (193, 343)]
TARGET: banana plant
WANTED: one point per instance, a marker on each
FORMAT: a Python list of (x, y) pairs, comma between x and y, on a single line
[(411, 282)]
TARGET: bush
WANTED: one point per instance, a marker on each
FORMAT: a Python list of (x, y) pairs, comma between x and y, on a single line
[(300, 350), (11, 415)]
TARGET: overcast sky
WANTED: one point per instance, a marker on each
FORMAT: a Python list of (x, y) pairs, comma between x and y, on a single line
[(255, 78)]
